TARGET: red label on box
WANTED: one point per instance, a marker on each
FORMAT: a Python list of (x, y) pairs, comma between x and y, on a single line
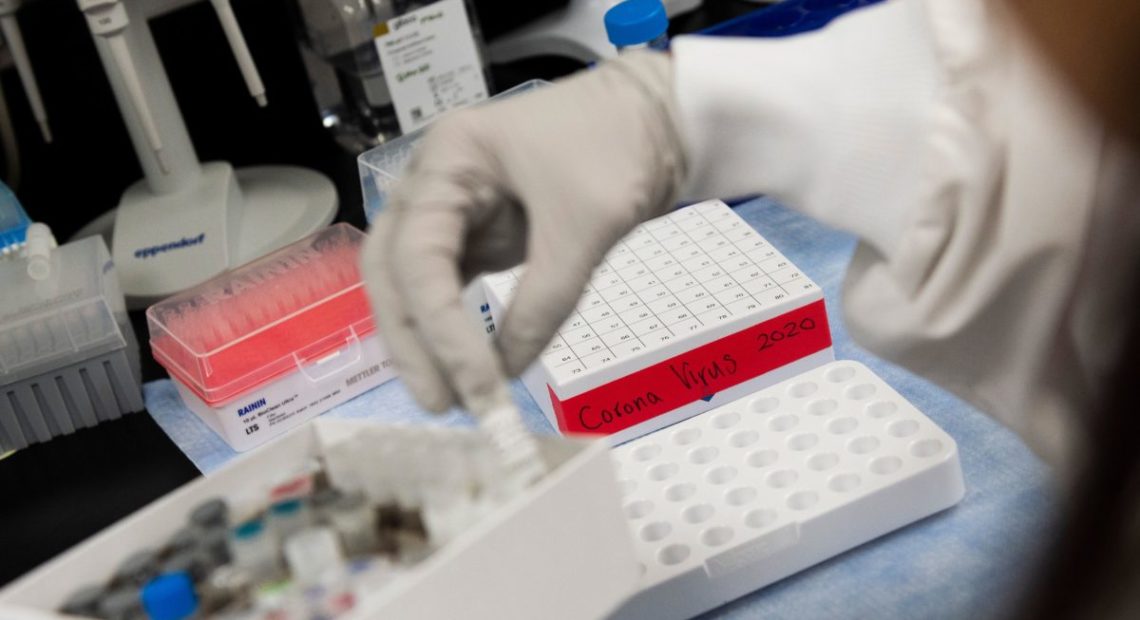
[(696, 374)]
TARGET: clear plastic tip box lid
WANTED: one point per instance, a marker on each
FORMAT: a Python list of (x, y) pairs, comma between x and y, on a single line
[(380, 167), (74, 314), (266, 318)]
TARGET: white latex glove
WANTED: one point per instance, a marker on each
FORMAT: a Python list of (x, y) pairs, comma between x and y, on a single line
[(555, 178)]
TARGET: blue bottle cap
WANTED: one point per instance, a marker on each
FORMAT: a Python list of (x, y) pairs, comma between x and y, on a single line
[(249, 529), (636, 21), (169, 597), (286, 507)]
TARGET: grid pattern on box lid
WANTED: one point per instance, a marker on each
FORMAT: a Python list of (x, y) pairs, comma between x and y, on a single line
[(675, 276), (748, 471)]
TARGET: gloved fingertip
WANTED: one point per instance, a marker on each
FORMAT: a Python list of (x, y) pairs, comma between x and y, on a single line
[(433, 401), (517, 352)]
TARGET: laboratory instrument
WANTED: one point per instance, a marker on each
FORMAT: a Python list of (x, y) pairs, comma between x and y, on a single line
[(14, 224), (169, 597), (761, 488), (483, 537), (275, 342), (188, 221), (68, 355), (380, 68), (14, 40), (690, 310), (638, 24)]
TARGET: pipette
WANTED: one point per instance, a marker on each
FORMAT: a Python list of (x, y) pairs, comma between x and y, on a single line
[(15, 41), (241, 51), (108, 19)]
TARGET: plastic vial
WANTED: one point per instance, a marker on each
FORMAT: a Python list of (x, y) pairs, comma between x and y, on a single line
[(138, 568), (638, 24), (215, 544), (211, 513), (196, 562), (355, 522), (312, 554), (84, 601), (227, 589), (121, 604), (254, 550), (185, 538), (288, 517), (170, 597), (323, 501)]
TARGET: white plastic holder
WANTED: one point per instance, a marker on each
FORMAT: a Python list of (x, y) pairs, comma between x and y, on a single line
[(523, 560), (185, 222), (744, 495)]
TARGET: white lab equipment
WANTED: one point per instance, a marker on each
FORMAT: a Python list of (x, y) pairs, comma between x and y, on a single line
[(68, 354), (187, 221), (15, 41), (275, 342), (380, 68), (761, 488), (690, 310), (519, 568)]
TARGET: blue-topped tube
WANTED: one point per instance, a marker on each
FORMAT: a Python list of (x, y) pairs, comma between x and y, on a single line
[(638, 24)]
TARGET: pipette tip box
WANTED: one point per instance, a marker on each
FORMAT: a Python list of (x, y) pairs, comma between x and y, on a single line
[(271, 344), (761, 488), (689, 311), (68, 355)]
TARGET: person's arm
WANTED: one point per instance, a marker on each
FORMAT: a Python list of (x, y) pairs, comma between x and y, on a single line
[(930, 130)]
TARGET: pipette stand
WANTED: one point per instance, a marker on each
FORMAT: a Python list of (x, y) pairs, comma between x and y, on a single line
[(187, 221), (577, 31)]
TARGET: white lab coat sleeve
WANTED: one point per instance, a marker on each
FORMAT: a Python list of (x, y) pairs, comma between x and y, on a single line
[(928, 129)]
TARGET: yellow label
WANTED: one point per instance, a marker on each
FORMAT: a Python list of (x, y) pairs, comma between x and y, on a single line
[(379, 30)]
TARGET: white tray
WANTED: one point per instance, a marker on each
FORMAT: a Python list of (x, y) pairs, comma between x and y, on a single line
[(751, 492), (527, 560)]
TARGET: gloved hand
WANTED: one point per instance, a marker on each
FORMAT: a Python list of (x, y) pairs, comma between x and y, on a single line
[(555, 178)]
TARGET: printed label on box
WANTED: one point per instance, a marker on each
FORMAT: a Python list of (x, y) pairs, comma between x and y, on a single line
[(696, 374), (430, 62)]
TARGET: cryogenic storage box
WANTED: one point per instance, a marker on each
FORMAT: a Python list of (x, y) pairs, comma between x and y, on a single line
[(689, 311), (68, 354), (521, 561), (258, 350)]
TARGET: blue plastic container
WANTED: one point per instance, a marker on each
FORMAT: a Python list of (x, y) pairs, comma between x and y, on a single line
[(638, 23), (14, 222), (786, 18)]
